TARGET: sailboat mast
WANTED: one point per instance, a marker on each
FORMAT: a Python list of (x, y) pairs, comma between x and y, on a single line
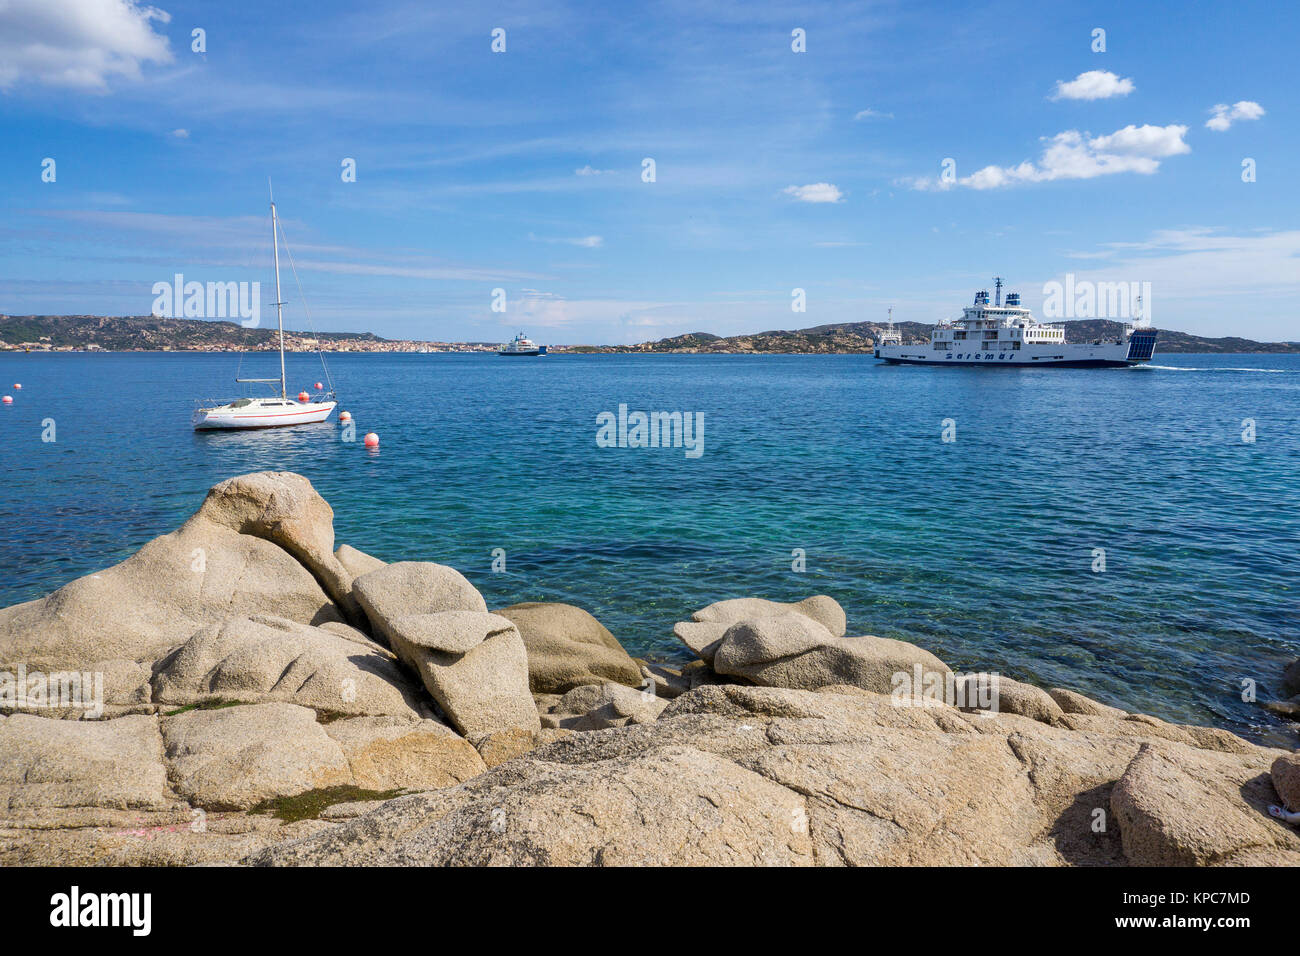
[(279, 304)]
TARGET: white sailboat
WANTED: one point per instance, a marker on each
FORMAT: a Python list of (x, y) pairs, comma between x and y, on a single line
[(269, 412)]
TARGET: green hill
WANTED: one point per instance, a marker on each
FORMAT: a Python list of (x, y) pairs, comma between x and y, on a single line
[(126, 333), (861, 336)]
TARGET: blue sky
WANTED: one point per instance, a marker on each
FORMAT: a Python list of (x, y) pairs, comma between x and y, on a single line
[(775, 170)]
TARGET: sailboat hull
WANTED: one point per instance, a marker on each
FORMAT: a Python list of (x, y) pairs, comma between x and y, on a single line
[(282, 416)]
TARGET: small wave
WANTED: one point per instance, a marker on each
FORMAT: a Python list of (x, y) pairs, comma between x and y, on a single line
[(1189, 368)]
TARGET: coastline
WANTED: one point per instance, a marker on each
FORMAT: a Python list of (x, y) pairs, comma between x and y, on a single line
[(278, 673), (162, 334), (552, 350)]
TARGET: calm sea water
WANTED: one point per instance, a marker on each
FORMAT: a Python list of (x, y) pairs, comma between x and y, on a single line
[(980, 549)]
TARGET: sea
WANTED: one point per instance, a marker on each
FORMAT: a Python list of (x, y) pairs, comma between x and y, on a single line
[(1132, 534)]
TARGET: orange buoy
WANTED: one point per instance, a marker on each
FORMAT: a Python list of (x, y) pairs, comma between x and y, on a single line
[(9, 400), (318, 386), (372, 440), (345, 416), (303, 397), (18, 384)]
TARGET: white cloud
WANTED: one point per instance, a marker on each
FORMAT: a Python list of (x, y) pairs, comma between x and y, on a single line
[(78, 43), (815, 192), (181, 133), (1093, 85), (1225, 115), (226, 241), (872, 114), (548, 310), (591, 171), (1223, 284), (586, 242), (1075, 155)]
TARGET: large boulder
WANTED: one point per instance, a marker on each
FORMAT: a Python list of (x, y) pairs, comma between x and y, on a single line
[(254, 547), (285, 509), (825, 610), (235, 757), (46, 763), (232, 758), (568, 648), (599, 706), (472, 662), (1072, 702), (413, 587), (1172, 812), (355, 562), (266, 658), (1010, 697), (389, 753), (704, 631), (1285, 774), (1291, 678), (664, 808), (666, 681), (496, 748), (794, 651), (770, 775)]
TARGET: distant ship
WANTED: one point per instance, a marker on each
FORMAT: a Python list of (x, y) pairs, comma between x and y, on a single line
[(1000, 334), (521, 345)]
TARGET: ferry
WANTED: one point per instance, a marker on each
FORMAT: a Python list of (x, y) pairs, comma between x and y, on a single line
[(1006, 335), (522, 345)]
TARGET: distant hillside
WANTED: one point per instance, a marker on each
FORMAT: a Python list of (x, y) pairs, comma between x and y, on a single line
[(149, 333), (127, 333), (861, 337)]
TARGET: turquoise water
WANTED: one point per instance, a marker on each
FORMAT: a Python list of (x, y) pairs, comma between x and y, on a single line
[(980, 549)]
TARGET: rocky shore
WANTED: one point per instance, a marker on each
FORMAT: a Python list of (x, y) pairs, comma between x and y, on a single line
[(241, 690)]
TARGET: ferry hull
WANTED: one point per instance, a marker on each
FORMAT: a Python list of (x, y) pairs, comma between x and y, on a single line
[(1066, 363), (1138, 349)]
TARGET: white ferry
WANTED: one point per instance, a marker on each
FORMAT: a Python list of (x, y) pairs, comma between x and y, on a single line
[(1007, 334), (522, 345)]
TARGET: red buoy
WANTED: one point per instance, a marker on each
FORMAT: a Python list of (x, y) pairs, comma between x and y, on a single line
[(318, 386), (303, 397), (18, 385), (345, 416), (9, 400), (372, 440)]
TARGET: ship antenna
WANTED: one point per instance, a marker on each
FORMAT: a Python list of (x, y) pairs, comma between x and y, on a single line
[(997, 286)]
